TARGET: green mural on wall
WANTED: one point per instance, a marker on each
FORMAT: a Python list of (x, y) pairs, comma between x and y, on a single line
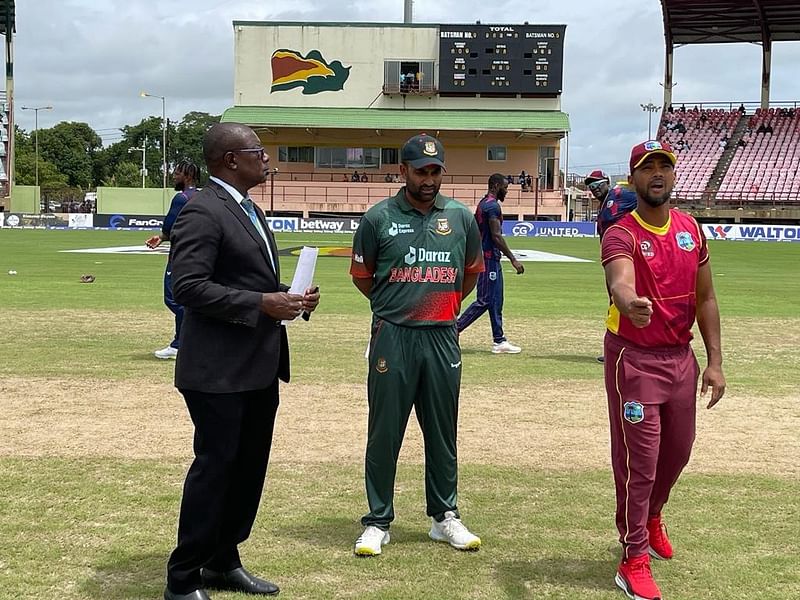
[(312, 72)]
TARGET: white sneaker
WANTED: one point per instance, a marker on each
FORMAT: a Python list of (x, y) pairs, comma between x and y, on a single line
[(166, 353), (454, 532), (369, 543), (505, 348)]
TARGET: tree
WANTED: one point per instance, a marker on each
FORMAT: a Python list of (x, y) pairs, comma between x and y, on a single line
[(187, 140), (147, 132), (71, 146), (126, 174)]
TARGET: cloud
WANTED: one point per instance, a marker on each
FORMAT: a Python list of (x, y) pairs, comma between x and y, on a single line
[(91, 59)]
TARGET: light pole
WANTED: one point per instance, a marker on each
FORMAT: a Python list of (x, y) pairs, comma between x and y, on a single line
[(36, 110), (650, 108), (163, 134), (143, 150)]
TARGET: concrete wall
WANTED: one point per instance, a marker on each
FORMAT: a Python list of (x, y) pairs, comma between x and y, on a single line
[(363, 48), (133, 201), (24, 199)]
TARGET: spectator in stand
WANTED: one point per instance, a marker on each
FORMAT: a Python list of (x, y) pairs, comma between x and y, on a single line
[(768, 129), (387, 178), (723, 143), (395, 178), (345, 178), (364, 177), (680, 127), (741, 143), (356, 177), (509, 179), (529, 182), (703, 117), (742, 109)]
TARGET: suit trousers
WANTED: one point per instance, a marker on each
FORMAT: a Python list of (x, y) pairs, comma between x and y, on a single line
[(417, 367), (232, 440), (652, 398)]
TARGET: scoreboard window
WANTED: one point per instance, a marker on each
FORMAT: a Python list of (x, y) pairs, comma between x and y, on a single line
[(501, 59)]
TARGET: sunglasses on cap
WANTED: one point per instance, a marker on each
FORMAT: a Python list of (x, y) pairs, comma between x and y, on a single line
[(595, 185)]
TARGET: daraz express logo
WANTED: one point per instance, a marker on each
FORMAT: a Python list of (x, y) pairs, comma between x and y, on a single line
[(312, 72)]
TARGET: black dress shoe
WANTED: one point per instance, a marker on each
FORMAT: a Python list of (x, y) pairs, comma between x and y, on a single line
[(195, 595), (238, 580)]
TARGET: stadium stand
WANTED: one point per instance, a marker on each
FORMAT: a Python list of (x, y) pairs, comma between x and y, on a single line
[(764, 168), (735, 161), (726, 157), (700, 138)]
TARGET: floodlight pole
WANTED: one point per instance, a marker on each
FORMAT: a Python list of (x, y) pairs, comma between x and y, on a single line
[(163, 136), (143, 150), (35, 110), (650, 108)]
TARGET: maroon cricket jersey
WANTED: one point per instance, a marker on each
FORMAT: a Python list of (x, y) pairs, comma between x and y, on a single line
[(666, 260)]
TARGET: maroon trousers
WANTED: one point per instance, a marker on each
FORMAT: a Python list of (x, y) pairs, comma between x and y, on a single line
[(652, 394)]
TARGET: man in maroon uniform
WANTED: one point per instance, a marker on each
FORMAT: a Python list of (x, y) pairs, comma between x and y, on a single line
[(659, 279)]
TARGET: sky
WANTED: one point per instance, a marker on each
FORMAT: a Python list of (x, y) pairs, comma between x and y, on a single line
[(90, 60)]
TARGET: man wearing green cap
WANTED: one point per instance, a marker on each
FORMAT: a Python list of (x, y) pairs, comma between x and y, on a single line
[(416, 255)]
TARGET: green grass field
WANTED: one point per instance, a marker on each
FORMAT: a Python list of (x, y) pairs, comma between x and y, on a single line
[(96, 441)]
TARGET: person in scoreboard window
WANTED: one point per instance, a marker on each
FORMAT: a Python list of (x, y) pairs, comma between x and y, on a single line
[(489, 216), (416, 255), (659, 280)]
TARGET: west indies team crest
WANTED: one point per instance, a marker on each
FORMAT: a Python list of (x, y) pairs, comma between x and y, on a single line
[(312, 72), (634, 412), (443, 227), (685, 241), (382, 366)]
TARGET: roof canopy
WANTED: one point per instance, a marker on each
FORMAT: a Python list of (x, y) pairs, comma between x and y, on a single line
[(517, 121), (726, 21), (7, 17)]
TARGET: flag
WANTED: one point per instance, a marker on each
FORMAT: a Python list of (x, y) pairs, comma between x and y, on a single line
[(312, 72)]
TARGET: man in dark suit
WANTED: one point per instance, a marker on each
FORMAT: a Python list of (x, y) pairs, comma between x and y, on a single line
[(234, 349)]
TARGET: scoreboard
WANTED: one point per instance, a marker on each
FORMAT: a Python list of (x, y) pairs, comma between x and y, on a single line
[(501, 59)]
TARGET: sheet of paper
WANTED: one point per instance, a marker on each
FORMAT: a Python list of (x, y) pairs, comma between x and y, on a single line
[(304, 273)]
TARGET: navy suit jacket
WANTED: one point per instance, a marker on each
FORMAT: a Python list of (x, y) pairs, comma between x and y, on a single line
[(220, 268)]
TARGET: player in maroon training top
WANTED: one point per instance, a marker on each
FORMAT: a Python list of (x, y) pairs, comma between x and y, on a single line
[(659, 279)]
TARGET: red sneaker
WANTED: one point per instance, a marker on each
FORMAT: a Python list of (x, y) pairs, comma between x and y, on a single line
[(635, 578), (660, 547)]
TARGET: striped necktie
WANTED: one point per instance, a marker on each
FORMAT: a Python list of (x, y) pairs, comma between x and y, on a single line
[(250, 209), (247, 205)]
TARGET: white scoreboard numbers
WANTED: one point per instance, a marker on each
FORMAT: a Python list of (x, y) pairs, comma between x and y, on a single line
[(501, 60)]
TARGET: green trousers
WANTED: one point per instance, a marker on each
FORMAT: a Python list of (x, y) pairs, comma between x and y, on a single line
[(419, 367)]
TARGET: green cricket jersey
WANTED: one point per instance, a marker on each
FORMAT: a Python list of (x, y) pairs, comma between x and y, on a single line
[(417, 262)]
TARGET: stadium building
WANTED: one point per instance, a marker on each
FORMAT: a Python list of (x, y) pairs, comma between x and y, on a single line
[(330, 100)]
